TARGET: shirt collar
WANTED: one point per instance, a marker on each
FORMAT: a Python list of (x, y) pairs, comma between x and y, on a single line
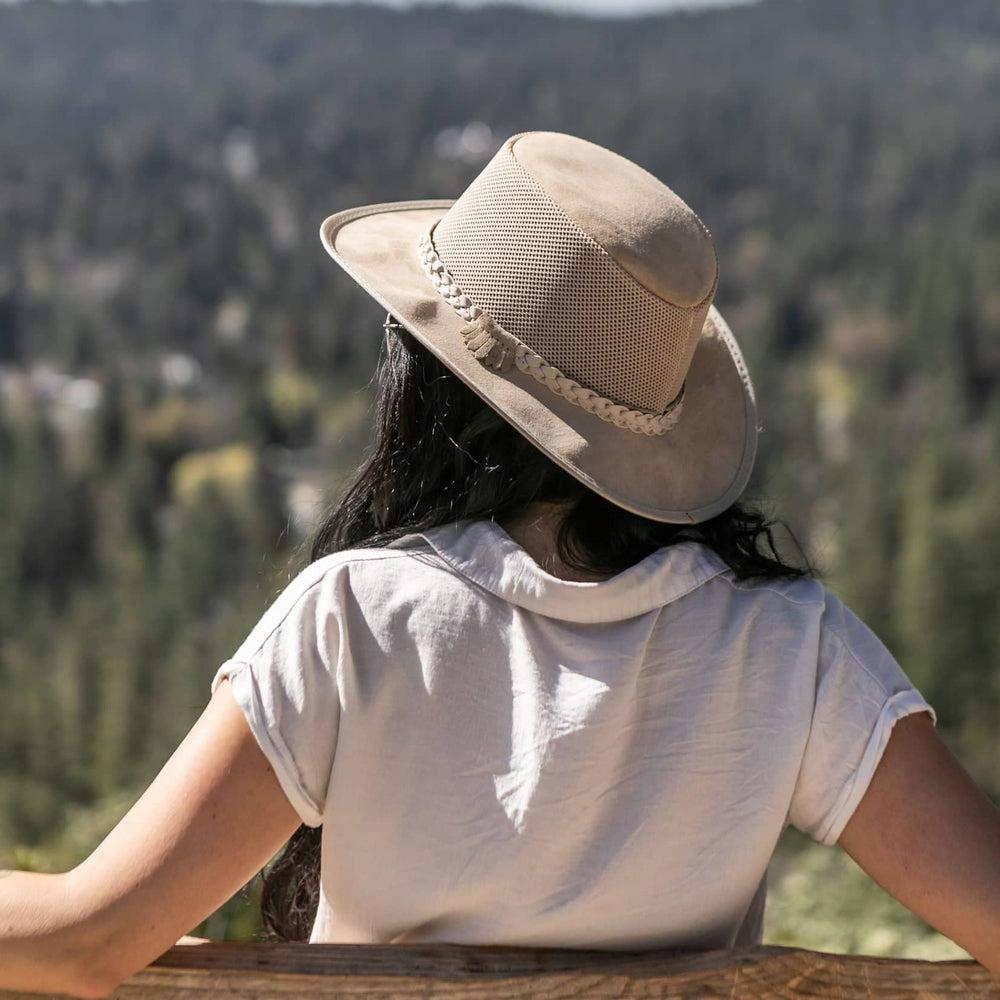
[(484, 553)]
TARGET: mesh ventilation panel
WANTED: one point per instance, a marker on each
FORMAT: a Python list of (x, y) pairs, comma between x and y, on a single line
[(517, 255)]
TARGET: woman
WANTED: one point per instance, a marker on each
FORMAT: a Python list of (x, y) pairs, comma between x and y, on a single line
[(541, 684)]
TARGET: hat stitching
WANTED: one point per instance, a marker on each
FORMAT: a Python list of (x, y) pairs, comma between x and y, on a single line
[(498, 349)]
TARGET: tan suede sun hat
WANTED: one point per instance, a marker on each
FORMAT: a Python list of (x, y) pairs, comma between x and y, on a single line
[(572, 290)]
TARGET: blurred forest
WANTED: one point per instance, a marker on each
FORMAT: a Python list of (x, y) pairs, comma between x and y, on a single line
[(184, 374)]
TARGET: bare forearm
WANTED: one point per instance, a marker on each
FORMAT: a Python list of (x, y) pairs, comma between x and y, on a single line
[(38, 949)]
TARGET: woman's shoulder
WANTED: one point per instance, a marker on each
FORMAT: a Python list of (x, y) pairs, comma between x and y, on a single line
[(807, 590), (808, 599), (410, 557), (406, 553)]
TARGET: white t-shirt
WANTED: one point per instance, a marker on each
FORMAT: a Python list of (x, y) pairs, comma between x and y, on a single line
[(498, 756)]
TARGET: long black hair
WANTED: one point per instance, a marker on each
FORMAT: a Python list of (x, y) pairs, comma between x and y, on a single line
[(440, 454)]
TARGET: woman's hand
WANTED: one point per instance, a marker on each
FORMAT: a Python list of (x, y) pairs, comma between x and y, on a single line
[(211, 819)]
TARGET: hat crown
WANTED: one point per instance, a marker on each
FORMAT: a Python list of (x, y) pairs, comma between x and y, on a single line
[(589, 260), (634, 216)]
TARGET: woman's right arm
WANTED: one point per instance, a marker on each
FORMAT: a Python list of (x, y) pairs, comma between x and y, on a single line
[(930, 836)]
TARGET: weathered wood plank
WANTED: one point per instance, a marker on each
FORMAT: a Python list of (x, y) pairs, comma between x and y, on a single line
[(455, 970), (280, 971)]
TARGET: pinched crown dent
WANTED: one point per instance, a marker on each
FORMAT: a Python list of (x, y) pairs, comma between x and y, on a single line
[(640, 222)]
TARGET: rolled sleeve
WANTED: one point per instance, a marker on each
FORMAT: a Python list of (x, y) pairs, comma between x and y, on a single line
[(861, 691), (284, 678)]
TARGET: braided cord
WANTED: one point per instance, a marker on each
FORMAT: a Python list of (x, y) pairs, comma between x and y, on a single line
[(500, 350)]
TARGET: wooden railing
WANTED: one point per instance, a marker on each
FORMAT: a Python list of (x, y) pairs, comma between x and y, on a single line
[(294, 971)]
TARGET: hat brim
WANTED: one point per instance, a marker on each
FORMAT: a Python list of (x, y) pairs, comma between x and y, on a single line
[(689, 474)]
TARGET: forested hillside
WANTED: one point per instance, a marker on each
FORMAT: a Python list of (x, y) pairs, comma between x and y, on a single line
[(184, 373)]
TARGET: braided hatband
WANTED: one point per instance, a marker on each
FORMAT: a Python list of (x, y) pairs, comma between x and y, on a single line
[(500, 350)]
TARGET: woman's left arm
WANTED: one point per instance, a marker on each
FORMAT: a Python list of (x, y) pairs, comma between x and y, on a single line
[(211, 819)]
